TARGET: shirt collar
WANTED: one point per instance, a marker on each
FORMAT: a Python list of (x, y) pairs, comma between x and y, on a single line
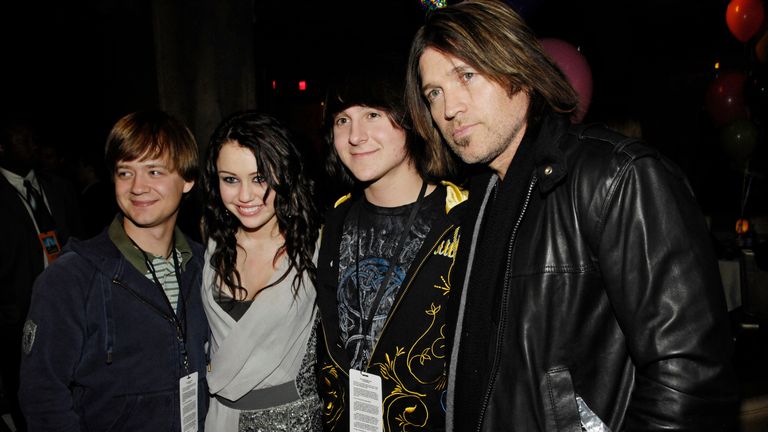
[(17, 181), (134, 256)]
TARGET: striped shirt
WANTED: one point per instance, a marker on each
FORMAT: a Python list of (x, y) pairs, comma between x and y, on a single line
[(166, 275), (163, 267)]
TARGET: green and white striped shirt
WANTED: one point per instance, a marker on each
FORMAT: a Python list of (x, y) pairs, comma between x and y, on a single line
[(166, 275), (164, 270)]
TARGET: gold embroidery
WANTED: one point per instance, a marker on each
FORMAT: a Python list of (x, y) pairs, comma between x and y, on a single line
[(448, 247), (445, 286), (405, 408), (333, 411), (408, 407), (405, 404)]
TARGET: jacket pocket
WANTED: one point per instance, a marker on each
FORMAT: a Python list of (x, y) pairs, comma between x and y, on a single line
[(590, 422), (144, 412), (565, 410), (560, 407)]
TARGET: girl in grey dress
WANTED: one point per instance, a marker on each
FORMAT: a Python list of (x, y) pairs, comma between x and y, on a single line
[(261, 227)]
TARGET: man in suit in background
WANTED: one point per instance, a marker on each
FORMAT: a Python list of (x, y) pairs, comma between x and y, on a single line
[(38, 213)]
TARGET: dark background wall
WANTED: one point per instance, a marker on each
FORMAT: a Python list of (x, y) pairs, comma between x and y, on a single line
[(78, 66)]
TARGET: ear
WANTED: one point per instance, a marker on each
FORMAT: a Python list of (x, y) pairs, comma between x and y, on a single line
[(188, 185)]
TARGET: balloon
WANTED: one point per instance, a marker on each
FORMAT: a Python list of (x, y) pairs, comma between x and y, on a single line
[(725, 98), (739, 138), (744, 18), (576, 69), (742, 226)]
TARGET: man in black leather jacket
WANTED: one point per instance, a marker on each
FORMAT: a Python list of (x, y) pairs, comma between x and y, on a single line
[(591, 299)]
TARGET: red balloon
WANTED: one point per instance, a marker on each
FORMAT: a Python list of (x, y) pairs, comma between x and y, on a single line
[(576, 69), (725, 98), (744, 18)]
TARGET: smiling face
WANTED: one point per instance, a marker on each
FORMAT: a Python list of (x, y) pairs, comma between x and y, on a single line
[(477, 117), (149, 192), (370, 145), (243, 189)]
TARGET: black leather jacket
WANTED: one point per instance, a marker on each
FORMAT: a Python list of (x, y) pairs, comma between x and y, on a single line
[(611, 308)]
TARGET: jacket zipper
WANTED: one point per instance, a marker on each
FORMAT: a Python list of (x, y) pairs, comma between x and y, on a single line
[(174, 323), (144, 300), (504, 299)]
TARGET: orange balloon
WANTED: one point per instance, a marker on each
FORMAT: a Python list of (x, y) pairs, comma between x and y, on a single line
[(744, 18), (742, 226)]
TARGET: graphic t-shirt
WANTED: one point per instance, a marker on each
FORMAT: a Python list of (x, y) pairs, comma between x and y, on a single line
[(368, 243)]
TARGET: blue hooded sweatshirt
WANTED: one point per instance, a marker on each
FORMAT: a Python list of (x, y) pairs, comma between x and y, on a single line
[(101, 349)]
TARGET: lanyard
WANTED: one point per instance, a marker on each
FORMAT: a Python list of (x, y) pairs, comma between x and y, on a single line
[(181, 331), (385, 282)]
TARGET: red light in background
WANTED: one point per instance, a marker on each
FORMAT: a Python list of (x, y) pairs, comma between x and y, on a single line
[(274, 84), (302, 85)]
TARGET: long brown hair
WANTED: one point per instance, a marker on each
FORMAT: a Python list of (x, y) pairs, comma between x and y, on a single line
[(489, 36)]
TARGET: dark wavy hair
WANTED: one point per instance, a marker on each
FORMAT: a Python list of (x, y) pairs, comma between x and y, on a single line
[(280, 163)]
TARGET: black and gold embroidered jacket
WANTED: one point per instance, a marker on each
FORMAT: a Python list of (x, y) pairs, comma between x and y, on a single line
[(411, 353)]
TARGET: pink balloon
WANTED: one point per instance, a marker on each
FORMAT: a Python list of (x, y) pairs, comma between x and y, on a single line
[(576, 69)]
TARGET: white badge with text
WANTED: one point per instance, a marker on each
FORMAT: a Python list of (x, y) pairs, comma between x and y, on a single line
[(188, 400), (365, 402)]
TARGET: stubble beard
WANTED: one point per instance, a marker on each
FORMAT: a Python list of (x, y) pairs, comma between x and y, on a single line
[(498, 144), (462, 149)]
